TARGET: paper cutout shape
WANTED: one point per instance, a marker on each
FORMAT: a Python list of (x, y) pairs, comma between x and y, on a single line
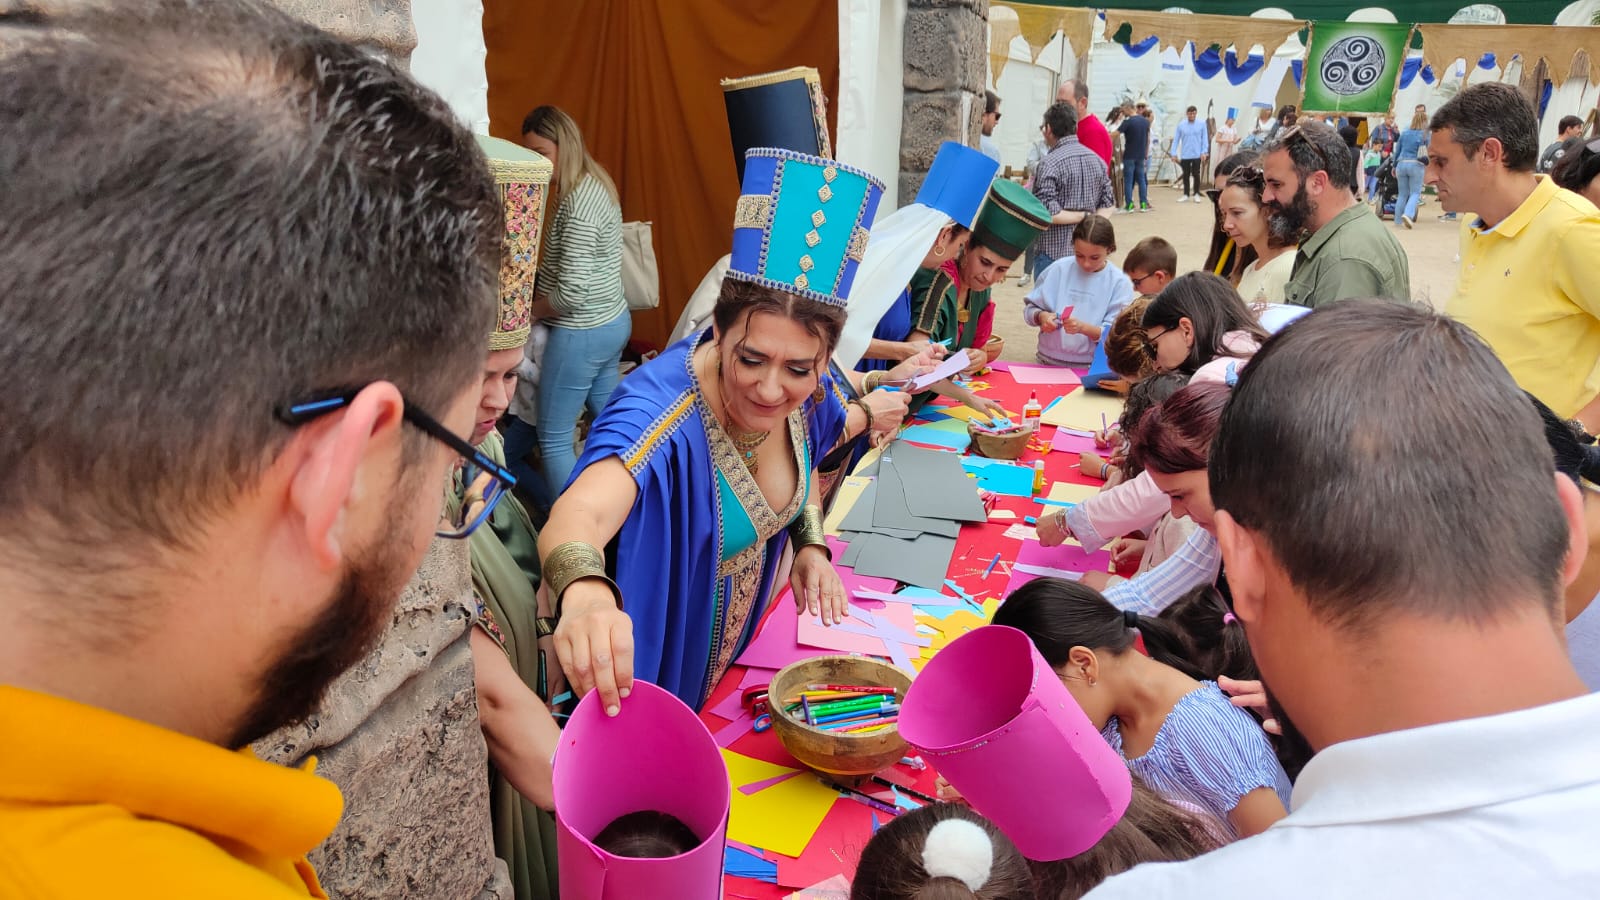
[(599, 775), (835, 888), (938, 435), (756, 787), (1002, 477), (834, 850), (1082, 410), (777, 643), (922, 562), (988, 707), (781, 818), (844, 498), (968, 414), (948, 368), (1070, 556)]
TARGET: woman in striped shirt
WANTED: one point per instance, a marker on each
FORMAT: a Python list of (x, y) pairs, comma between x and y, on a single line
[(1180, 734), (580, 290)]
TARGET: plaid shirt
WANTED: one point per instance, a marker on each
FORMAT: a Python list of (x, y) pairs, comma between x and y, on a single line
[(1070, 177), (1197, 562)]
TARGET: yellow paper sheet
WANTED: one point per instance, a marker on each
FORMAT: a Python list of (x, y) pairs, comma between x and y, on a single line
[(951, 627), (848, 493), (1067, 492), (967, 414), (782, 818), (1082, 409)]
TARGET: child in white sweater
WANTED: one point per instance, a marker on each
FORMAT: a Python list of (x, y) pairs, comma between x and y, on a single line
[(1075, 300)]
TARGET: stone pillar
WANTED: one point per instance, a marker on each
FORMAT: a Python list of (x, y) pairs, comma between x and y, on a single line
[(946, 68), (383, 26), (399, 734)]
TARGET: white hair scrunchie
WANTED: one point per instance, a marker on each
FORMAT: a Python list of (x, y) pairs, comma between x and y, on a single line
[(959, 849)]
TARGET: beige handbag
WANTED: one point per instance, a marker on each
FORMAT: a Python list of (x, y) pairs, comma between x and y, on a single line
[(641, 280)]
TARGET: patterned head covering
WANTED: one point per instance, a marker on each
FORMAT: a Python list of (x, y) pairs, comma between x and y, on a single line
[(523, 180), (801, 224)]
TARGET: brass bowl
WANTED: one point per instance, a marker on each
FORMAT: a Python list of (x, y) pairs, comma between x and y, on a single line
[(829, 751), (1000, 446)]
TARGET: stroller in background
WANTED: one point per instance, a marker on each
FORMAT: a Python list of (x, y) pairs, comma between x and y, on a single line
[(1388, 191)]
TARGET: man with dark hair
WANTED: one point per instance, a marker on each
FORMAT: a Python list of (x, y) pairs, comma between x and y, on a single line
[(1527, 280), (1092, 132), (1071, 182), (1191, 144), (1407, 616), (1568, 128), (1135, 130), (1345, 251), (247, 273), (991, 118)]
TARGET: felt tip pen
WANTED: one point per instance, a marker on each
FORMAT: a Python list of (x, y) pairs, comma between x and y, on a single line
[(914, 762), (1030, 520), (857, 714), (914, 794), (856, 688), (1103, 426), (992, 563), (944, 343), (858, 796)]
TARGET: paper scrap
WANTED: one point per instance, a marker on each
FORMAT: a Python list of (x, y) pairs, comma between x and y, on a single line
[(756, 787), (968, 414), (1068, 441), (734, 730), (781, 818), (938, 435), (950, 367), (835, 888), (1002, 515), (1022, 533)]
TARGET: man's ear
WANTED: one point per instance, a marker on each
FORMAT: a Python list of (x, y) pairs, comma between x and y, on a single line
[(1577, 529), (324, 479), (1245, 561)]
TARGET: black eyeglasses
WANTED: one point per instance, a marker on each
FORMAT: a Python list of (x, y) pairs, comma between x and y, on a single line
[(1298, 131), (486, 480), (1140, 280), (1150, 344)]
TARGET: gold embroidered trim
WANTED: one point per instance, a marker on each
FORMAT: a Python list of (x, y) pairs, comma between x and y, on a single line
[(829, 173), (824, 193), (818, 219), (752, 211), (798, 73), (813, 238), (521, 171), (801, 281), (806, 263), (858, 244), (663, 426)]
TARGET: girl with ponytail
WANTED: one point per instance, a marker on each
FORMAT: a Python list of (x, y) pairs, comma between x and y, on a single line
[(1177, 730), (943, 851)]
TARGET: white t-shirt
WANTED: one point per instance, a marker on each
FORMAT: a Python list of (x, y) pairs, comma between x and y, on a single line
[(1480, 809), (1264, 284)]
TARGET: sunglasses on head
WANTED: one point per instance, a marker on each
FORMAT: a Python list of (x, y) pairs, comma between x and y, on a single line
[(1298, 131)]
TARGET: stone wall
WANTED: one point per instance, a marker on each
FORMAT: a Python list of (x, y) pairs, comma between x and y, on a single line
[(399, 734), (380, 25), (946, 67)]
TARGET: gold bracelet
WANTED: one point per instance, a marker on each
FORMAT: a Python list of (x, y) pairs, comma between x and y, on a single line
[(871, 382), (865, 412), (575, 561), (806, 531)]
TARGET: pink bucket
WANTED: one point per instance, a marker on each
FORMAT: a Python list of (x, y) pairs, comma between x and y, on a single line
[(992, 716), (655, 755)]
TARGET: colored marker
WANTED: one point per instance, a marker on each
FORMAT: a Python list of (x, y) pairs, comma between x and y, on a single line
[(914, 762), (856, 795), (859, 689), (1103, 426), (905, 790), (1030, 520), (992, 563)]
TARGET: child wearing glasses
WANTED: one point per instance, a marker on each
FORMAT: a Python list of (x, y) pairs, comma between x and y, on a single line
[(1075, 300)]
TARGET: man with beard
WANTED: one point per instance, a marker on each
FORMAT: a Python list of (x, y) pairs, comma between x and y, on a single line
[(246, 272), (1407, 616), (1344, 249)]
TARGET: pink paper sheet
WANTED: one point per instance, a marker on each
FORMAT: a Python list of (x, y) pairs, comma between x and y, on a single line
[(1067, 442), (777, 643), (734, 730), (1052, 375), (811, 633), (756, 787), (1067, 556)]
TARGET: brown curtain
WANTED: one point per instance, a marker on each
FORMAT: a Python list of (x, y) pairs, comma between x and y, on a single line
[(642, 79)]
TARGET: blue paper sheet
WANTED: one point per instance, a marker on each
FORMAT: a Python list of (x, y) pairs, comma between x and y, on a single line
[(1005, 478), (936, 436), (740, 864)]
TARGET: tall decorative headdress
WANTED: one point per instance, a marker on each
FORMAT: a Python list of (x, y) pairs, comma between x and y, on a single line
[(523, 180)]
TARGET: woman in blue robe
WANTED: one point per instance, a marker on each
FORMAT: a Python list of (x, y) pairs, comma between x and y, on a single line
[(701, 469)]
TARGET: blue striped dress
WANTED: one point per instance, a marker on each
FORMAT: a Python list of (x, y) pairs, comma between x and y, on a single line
[(1207, 755)]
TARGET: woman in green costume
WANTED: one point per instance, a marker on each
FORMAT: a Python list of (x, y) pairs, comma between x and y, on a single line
[(510, 637)]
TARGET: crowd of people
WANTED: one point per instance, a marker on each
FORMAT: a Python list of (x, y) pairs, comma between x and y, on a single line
[(340, 326)]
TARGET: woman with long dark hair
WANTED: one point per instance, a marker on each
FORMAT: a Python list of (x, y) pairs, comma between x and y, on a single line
[(1177, 730)]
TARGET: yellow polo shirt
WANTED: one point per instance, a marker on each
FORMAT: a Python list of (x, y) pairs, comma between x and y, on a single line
[(1529, 288), (97, 805)]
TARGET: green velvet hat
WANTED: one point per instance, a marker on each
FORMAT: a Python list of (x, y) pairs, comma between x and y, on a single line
[(1010, 220)]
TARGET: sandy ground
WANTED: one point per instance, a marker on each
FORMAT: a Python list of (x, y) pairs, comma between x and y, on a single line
[(1431, 247)]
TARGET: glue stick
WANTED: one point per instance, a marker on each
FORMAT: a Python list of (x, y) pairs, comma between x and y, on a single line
[(1038, 477)]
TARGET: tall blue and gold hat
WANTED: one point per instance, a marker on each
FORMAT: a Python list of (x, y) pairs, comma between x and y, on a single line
[(801, 224), (958, 181), (784, 109)]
